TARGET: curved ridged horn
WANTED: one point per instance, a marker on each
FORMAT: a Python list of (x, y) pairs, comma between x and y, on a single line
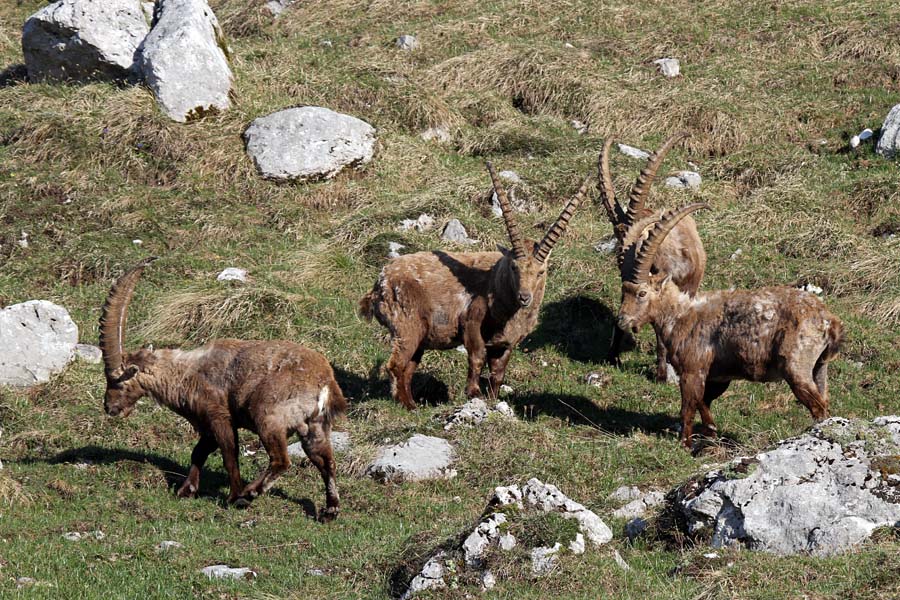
[(115, 315), (559, 227), (633, 235), (648, 250), (607, 192), (512, 227), (645, 179)]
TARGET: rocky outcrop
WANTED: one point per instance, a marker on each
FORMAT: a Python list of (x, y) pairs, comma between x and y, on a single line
[(509, 512), (308, 143), (889, 140), (820, 493), (184, 60), (39, 340), (77, 40)]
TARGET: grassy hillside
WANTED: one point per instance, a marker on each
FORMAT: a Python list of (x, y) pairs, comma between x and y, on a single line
[(771, 93)]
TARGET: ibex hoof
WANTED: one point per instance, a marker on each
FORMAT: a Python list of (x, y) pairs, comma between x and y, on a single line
[(186, 491), (326, 515), (241, 502)]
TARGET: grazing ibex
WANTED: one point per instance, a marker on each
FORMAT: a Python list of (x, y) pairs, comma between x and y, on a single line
[(716, 337), (271, 388), (487, 301), (681, 256)]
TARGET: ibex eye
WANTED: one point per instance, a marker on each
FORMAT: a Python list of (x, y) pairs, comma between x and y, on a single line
[(642, 293)]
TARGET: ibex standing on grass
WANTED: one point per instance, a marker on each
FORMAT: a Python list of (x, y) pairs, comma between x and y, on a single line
[(681, 256), (487, 301), (271, 388), (716, 337)]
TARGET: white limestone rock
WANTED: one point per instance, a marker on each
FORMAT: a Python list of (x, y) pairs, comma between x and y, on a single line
[(226, 572), (420, 457), (232, 274), (39, 340), (308, 143), (184, 60), (889, 140), (669, 67), (684, 180), (406, 42), (89, 353), (633, 152), (455, 232), (820, 493), (79, 40)]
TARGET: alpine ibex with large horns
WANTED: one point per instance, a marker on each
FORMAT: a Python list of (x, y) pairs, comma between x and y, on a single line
[(273, 388), (681, 255), (716, 337), (487, 301)]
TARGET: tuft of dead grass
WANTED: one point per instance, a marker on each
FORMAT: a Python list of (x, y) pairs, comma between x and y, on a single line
[(255, 311)]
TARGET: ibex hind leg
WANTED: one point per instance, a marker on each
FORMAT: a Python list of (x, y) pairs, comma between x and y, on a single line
[(805, 388), (275, 442), (317, 445), (405, 357)]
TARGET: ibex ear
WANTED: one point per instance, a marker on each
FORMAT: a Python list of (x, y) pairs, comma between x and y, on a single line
[(662, 282), (129, 372)]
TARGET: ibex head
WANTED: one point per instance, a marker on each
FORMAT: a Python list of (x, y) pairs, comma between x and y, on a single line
[(526, 262), (123, 388), (640, 288)]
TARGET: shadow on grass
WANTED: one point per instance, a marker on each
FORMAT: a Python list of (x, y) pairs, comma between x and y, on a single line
[(579, 410), (13, 75), (427, 389), (172, 471), (580, 327)]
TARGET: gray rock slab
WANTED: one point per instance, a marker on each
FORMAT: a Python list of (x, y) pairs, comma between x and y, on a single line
[(420, 457), (184, 61), (308, 143), (78, 40), (820, 493), (89, 353), (684, 180), (39, 340), (889, 141)]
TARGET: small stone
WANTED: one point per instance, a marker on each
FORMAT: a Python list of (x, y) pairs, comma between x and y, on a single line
[(576, 546), (579, 126), (438, 134), (625, 493), (668, 66), (276, 7), (22, 242), (638, 506), (431, 577), (711, 555), (394, 249), (544, 559), (326, 44), (488, 581), (736, 254), (424, 222), (596, 379), (509, 176), (455, 232), (505, 389), (316, 572), (504, 409), (23, 582), (461, 349), (620, 561), (507, 541), (633, 152), (89, 353), (406, 42), (232, 274), (568, 45), (137, 242), (226, 572), (684, 180), (607, 245), (167, 545), (812, 289)]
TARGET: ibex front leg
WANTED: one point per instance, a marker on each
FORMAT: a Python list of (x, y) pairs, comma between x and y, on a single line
[(206, 446), (692, 389), (474, 344)]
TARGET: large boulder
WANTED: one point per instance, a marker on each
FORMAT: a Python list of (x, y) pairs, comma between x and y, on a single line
[(819, 493), (37, 340), (420, 457), (184, 60), (889, 142), (75, 40), (308, 143)]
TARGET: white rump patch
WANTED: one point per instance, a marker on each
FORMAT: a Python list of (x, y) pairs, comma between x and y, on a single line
[(323, 399)]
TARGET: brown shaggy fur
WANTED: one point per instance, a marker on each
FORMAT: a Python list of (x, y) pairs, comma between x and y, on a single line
[(487, 301), (716, 337), (271, 388)]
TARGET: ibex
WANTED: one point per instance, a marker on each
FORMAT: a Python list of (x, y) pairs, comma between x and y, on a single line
[(271, 388), (487, 301), (681, 256), (716, 337)]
